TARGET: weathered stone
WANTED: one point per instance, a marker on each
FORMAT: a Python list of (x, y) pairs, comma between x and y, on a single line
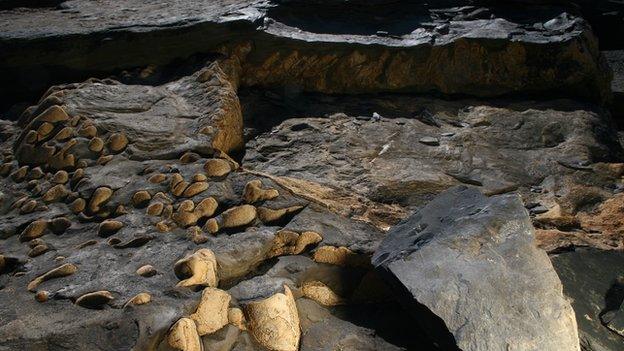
[(274, 322), (95, 300), (59, 272), (198, 270), (467, 268), (183, 336), (212, 312)]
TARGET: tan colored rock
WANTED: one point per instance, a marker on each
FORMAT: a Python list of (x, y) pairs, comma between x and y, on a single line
[(236, 317), (185, 219), (212, 312), (189, 157), (274, 322), (103, 160), (52, 114), (44, 130), (198, 177), (139, 299), (96, 144), (28, 206), (197, 235), (321, 293), (183, 336), (198, 270), (340, 256), (55, 193), (179, 188), (186, 206), (268, 215), (254, 193), (195, 188), (60, 177), (58, 272), (287, 242), (87, 131), (117, 142), (34, 230), (176, 179), (238, 216), (157, 178), (163, 227), (146, 271), (100, 196), (216, 167), (64, 134), (206, 207), (36, 173), (95, 300), (211, 226), (19, 174), (78, 174), (141, 198), (155, 209), (109, 227), (38, 250), (78, 205)]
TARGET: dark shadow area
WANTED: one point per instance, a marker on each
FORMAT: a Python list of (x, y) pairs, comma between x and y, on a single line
[(11, 4), (398, 18)]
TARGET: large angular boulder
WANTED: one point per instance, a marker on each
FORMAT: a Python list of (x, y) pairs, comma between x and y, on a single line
[(467, 267)]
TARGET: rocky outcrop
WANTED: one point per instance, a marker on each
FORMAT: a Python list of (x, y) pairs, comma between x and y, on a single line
[(451, 48), (562, 159), (468, 269)]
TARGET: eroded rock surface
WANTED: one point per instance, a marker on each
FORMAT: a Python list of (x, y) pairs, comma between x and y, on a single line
[(467, 268), (452, 47)]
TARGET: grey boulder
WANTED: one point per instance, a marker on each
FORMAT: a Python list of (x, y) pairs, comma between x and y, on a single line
[(466, 266)]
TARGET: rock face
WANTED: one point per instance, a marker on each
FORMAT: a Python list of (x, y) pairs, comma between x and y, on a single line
[(224, 180), (467, 266), (596, 298), (483, 50)]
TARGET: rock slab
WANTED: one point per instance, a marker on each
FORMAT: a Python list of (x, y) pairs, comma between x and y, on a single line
[(467, 266)]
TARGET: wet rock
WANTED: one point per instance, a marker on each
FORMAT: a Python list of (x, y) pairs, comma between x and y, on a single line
[(488, 279)]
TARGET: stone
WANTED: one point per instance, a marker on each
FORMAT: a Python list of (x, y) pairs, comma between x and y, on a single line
[(183, 336), (253, 192), (340, 256), (95, 300), (197, 270), (195, 188), (212, 312), (141, 198), (58, 272), (34, 230), (321, 293), (147, 271), (109, 227), (466, 267), (274, 322), (238, 216), (139, 299), (100, 196), (217, 167)]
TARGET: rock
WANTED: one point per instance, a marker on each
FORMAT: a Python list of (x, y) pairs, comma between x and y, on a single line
[(183, 336), (274, 322), (212, 312), (418, 54), (467, 268), (147, 271), (58, 272), (198, 269), (139, 299), (95, 300), (340, 256), (593, 296), (429, 141), (321, 293)]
